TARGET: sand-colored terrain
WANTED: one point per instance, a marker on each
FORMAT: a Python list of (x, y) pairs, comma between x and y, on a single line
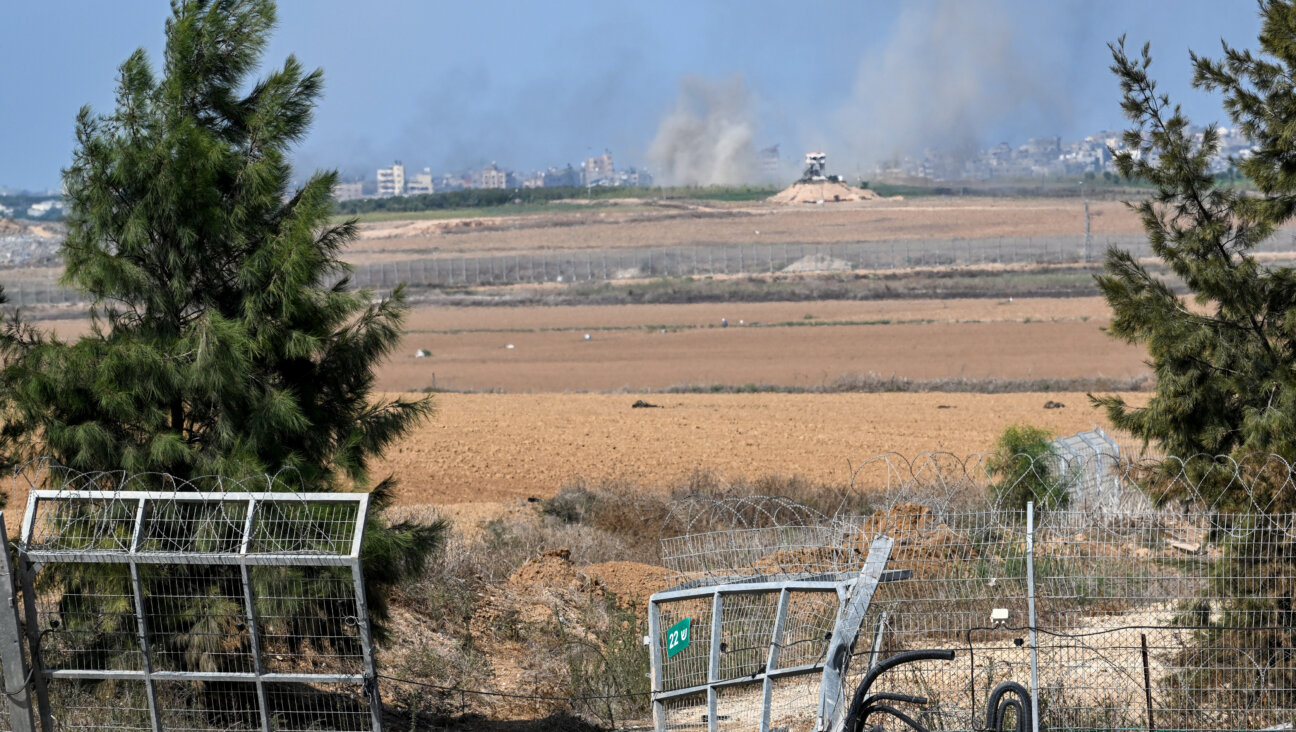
[(638, 347), (676, 225), (765, 343), (499, 447), (443, 319), (799, 356)]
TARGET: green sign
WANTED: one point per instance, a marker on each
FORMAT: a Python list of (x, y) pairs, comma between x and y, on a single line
[(677, 637)]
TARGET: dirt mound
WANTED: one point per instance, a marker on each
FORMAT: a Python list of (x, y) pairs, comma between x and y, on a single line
[(902, 518), (551, 570), (822, 192), (921, 544), (818, 263), (633, 583), (538, 594)]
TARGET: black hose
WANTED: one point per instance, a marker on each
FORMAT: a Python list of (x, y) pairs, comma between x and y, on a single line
[(860, 702), (884, 709), (997, 707)]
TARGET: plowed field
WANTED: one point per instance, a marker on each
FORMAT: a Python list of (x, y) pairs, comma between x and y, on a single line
[(500, 447), (645, 347)]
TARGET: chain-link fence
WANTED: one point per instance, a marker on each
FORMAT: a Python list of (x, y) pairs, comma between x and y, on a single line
[(152, 603), (1172, 607), (703, 260)]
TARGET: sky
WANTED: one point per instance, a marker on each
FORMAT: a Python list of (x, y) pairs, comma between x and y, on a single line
[(673, 86)]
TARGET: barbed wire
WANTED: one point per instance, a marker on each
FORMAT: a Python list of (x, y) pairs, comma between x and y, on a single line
[(763, 536)]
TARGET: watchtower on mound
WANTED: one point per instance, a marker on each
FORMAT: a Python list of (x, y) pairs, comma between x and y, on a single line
[(816, 164)]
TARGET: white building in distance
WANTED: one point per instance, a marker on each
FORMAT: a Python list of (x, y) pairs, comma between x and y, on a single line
[(493, 177), (391, 181), (419, 183)]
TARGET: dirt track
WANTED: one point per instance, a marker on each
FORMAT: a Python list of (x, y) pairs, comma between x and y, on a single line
[(500, 447)]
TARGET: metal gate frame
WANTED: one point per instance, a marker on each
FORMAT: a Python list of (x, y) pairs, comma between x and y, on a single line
[(33, 558), (854, 594)]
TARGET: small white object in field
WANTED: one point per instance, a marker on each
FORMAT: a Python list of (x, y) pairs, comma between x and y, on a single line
[(1010, 299), (663, 330), (740, 322), (509, 346), (587, 336), (422, 353), (560, 278), (758, 232)]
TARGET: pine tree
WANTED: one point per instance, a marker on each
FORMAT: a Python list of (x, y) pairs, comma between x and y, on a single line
[(226, 338), (1225, 364)]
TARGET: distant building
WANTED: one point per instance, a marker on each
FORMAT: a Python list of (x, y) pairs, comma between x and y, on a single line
[(561, 177), (493, 177), (533, 180), (6, 212), (419, 183), (597, 169), (43, 208), (391, 181), (348, 191), (633, 177)]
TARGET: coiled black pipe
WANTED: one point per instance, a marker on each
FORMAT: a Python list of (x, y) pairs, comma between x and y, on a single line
[(862, 705), (999, 704)]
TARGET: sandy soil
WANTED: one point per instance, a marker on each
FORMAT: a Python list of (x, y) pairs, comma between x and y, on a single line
[(431, 318), (500, 447), (1032, 338), (806, 356), (923, 218)]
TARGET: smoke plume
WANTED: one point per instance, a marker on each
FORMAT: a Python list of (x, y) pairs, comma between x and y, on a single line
[(707, 136), (950, 72)]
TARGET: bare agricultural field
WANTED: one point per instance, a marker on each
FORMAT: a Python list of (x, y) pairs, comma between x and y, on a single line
[(765, 343), (446, 319), (502, 447), (570, 228), (644, 359)]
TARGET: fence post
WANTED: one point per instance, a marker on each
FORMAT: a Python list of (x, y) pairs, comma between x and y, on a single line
[(1030, 608), (362, 619), (141, 621), (655, 661), (16, 687), (713, 667), (27, 575), (253, 619)]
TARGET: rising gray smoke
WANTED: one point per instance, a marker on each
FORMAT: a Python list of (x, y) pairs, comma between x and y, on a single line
[(707, 138), (951, 71)]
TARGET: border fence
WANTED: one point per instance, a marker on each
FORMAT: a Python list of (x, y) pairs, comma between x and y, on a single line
[(705, 260), (1169, 609), (150, 603)]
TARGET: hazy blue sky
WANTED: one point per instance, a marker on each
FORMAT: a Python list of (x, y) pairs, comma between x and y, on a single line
[(530, 84)]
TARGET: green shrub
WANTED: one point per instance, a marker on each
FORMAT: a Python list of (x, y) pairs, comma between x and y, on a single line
[(1025, 469)]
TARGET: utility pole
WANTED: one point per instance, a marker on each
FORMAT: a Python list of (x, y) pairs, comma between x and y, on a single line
[(1088, 251)]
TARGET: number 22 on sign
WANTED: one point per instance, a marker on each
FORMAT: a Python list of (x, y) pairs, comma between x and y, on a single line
[(677, 637)]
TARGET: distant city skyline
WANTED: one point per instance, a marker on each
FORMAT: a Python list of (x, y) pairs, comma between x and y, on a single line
[(457, 86)]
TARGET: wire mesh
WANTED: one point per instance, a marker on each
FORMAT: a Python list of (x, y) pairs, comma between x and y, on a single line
[(1163, 592), (205, 604)]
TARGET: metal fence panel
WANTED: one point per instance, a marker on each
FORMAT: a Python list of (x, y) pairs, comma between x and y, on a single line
[(199, 610), (1175, 612)]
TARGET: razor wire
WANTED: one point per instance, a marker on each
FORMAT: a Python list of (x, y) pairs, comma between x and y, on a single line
[(1166, 600)]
